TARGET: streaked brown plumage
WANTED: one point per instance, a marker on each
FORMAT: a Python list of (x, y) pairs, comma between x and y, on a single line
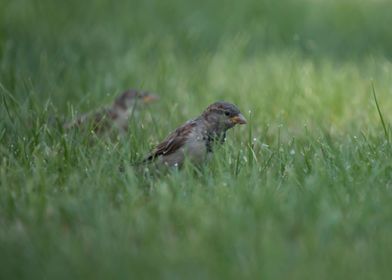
[(115, 116), (195, 139)]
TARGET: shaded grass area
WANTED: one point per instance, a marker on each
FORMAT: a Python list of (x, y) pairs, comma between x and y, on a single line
[(302, 192)]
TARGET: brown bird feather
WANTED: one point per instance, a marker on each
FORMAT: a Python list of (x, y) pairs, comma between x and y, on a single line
[(194, 139), (115, 116)]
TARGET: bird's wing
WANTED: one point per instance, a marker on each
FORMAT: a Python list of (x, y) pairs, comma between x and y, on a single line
[(93, 120), (173, 142)]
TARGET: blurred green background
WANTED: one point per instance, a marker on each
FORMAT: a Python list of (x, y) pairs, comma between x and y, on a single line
[(302, 192), (82, 53)]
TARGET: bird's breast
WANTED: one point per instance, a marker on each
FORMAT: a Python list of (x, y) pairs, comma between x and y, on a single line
[(195, 148)]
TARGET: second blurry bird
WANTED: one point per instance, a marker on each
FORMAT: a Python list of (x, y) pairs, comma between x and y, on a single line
[(115, 116)]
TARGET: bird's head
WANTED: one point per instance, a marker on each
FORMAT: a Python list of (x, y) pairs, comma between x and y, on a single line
[(132, 97), (223, 115)]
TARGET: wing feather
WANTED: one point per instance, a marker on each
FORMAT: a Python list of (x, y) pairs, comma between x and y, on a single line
[(173, 142)]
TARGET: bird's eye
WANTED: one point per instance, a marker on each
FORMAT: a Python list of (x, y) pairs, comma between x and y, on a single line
[(227, 113)]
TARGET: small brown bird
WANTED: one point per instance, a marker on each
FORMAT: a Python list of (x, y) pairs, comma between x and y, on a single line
[(195, 139), (115, 116)]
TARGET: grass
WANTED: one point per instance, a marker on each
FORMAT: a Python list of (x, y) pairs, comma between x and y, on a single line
[(302, 192)]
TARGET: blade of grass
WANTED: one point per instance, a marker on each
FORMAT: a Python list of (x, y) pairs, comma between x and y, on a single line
[(380, 114)]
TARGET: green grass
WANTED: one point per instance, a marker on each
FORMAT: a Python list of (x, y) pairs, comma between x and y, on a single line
[(302, 192)]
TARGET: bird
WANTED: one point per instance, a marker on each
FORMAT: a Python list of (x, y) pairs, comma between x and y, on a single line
[(116, 115), (195, 139)]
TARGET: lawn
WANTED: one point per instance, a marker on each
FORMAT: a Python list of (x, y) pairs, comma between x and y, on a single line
[(303, 191)]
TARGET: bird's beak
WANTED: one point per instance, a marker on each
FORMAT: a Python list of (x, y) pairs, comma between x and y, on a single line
[(239, 119), (150, 98)]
